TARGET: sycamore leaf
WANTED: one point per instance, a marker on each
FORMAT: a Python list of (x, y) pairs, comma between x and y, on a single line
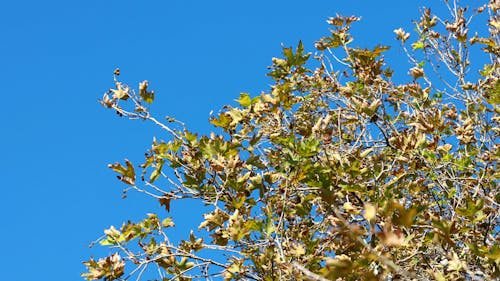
[(222, 121), (418, 45), (165, 201), (121, 92), (244, 100), (127, 174), (147, 96)]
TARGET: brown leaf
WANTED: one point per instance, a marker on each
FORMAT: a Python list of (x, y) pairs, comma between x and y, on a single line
[(165, 201)]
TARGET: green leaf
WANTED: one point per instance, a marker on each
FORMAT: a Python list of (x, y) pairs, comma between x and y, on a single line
[(155, 174), (269, 228), (487, 70), (167, 222), (223, 121), (253, 225), (107, 242), (191, 138), (418, 45), (244, 100), (300, 48)]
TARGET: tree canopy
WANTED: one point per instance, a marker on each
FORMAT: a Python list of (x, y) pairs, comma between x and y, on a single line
[(339, 171)]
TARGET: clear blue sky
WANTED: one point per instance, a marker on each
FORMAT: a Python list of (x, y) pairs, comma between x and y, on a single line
[(57, 59)]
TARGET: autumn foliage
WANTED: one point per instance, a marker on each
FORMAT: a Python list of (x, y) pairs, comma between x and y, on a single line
[(338, 172)]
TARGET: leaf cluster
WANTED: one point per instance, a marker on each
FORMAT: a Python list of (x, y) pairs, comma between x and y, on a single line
[(337, 172)]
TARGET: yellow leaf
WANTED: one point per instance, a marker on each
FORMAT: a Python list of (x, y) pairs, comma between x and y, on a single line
[(370, 212)]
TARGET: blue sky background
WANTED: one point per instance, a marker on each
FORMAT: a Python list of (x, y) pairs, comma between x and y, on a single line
[(57, 59)]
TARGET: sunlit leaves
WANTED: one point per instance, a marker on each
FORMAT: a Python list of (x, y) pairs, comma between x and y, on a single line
[(156, 172), (297, 59), (427, 20), (487, 70), (416, 72), (490, 45), (193, 244), (401, 34), (113, 237), (223, 121), (214, 219), (245, 100), (339, 35), (292, 63), (336, 171), (109, 268), (130, 231), (121, 92), (418, 45)]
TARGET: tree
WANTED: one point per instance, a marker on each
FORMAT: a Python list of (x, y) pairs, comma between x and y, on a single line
[(338, 172)]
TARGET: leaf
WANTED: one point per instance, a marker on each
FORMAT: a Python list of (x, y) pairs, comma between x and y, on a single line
[(110, 268), (401, 34), (418, 45), (487, 70), (118, 168), (167, 222), (191, 138), (380, 48), (253, 225), (269, 227), (244, 100), (297, 59), (127, 173), (147, 96), (165, 201), (154, 175), (223, 121), (236, 115), (156, 172), (120, 92), (341, 169)]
